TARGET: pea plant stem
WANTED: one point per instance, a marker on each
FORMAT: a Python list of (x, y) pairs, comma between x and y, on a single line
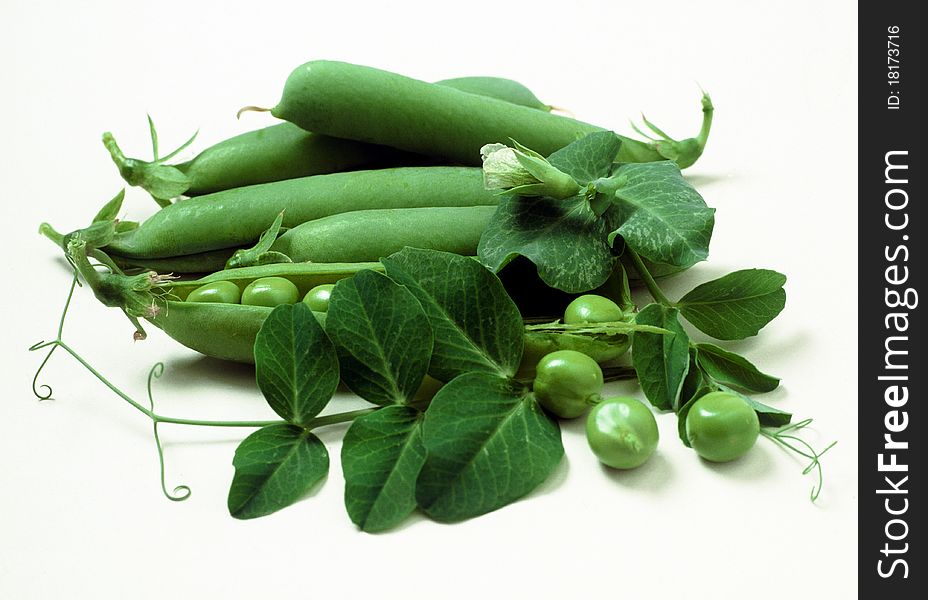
[(645, 275)]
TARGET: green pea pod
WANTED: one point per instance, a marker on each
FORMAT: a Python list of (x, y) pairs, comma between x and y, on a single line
[(368, 235), (285, 151), (227, 331), (369, 105), (237, 217)]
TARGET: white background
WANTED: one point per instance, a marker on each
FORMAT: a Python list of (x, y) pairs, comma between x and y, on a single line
[(81, 512)]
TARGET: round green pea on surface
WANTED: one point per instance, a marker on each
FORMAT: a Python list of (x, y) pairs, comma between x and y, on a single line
[(224, 292), (270, 291), (318, 297), (566, 382), (721, 427), (622, 432), (591, 308)]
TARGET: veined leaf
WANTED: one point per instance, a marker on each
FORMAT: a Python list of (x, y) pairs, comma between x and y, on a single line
[(476, 325), (588, 158), (734, 370), (295, 363), (382, 336), (488, 443), (767, 415), (382, 455), (661, 361), (661, 215), (564, 238), (274, 467), (736, 305)]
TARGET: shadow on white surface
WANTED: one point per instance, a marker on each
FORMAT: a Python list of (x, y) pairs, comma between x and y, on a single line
[(652, 476), (198, 370), (756, 465), (700, 181)]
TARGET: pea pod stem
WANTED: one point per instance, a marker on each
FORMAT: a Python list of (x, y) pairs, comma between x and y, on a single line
[(645, 275), (312, 424)]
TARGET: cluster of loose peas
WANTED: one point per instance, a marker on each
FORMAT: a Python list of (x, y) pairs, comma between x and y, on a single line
[(621, 430), (265, 291)]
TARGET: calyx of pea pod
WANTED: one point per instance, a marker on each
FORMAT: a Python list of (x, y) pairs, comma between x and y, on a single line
[(135, 295), (261, 253), (163, 182), (524, 172)]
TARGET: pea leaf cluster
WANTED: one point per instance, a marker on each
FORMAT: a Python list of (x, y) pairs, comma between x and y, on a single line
[(481, 443)]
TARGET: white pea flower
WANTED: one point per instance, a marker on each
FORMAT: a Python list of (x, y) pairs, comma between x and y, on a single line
[(524, 172)]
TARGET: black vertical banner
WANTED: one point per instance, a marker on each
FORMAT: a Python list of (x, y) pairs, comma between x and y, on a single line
[(893, 371)]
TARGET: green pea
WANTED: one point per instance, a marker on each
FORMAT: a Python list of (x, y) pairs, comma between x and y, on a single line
[(567, 382), (318, 297), (721, 427), (270, 291), (225, 292), (622, 432), (591, 308)]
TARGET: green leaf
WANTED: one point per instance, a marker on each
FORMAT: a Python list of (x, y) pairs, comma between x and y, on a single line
[(476, 325), (564, 238), (661, 361), (695, 386), (382, 455), (295, 363), (110, 210), (734, 370), (737, 305), (164, 181), (767, 415), (274, 467), (260, 253), (589, 158), (661, 216), (382, 336), (488, 443), (618, 289)]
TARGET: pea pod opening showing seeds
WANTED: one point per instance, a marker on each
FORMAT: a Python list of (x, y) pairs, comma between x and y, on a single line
[(283, 151), (370, 105)]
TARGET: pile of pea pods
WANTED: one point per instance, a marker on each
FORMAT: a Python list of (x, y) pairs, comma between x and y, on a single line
[(365, 163), (461, 256)]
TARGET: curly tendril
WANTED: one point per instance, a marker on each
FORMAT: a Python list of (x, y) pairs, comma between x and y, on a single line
[(46, 392), (181, 492), (782, 437)]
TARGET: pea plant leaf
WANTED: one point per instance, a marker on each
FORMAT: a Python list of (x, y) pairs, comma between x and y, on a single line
[(732, 369), (295, 363), (382, 337), (660, 215), (617, 288), (767, 415), (476, 325), (565, 239), (695, 385), (488, 443), (274, 467), (661, 361), (736, 305), (588, 158), (382, 454)]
